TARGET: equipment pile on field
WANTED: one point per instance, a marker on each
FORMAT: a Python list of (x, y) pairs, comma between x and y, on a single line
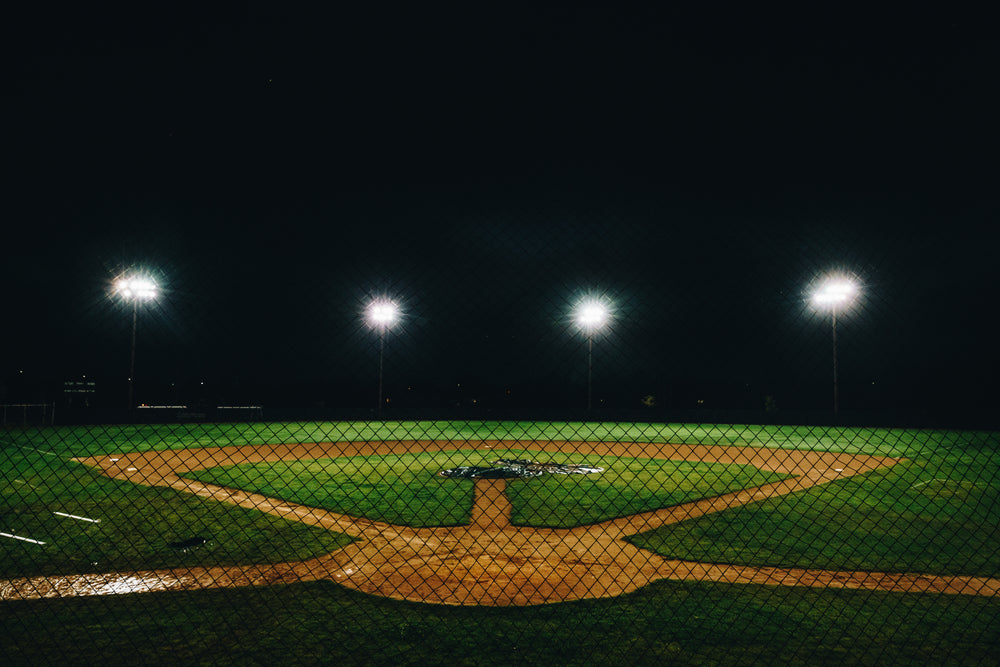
[(511, 468)]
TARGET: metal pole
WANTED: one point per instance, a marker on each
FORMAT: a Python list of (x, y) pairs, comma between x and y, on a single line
[(131, 365), (836, 395), (381, 347), (590, 368)]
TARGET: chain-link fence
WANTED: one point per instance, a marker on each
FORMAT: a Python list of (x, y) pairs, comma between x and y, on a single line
[(573, 334), (568, 444)]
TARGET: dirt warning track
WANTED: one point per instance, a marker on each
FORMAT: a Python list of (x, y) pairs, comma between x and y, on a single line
[(489, 561)]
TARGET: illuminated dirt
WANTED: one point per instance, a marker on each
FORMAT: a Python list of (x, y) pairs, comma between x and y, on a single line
[(489, 561)]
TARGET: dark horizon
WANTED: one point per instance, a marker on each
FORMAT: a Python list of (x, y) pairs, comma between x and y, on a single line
[(486, 169)]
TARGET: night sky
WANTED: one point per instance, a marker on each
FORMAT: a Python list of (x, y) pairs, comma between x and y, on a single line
[(486, 168)]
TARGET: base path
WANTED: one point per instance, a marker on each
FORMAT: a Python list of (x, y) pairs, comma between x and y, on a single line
[(489, 561)]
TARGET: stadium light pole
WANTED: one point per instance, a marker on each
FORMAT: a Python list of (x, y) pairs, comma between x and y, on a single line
[(591, 315), (134, 289), (834, 293), (382, 314)]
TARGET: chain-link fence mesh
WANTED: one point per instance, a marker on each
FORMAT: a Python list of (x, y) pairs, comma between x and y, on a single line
[(610, 408), (485, 477)]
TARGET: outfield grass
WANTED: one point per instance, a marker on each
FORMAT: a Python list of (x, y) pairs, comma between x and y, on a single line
[(666, 622), (105, 439), (406, 489)]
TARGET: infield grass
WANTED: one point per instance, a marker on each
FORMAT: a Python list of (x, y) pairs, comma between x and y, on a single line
[(406, 490)]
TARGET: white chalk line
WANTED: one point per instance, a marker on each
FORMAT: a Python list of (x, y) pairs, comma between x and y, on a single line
[(23, 539), (964, 484), (78, 518), (92, 584), (929, 481), (40, 451)]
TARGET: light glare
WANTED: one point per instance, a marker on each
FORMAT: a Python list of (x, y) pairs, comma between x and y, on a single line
[(834, 292), (136, 288), (383, 313), (591, 314)]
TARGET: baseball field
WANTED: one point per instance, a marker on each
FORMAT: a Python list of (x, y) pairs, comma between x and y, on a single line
[(342, 542)]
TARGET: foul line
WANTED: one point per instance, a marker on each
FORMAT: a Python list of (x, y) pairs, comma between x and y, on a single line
[(40, 451), (79, 518), (18, 537)]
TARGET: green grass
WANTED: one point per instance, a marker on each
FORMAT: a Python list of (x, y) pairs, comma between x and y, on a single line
[(399, 489), (936, 514), (406, 489), (882, 521), (665, 623), (627, 486), (104, 439), (136, 523)]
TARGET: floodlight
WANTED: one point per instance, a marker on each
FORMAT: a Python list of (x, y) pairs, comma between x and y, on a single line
[(135, 289), (384, 314), (381, 313), (138, 287), (591, 314), (834, 293)]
